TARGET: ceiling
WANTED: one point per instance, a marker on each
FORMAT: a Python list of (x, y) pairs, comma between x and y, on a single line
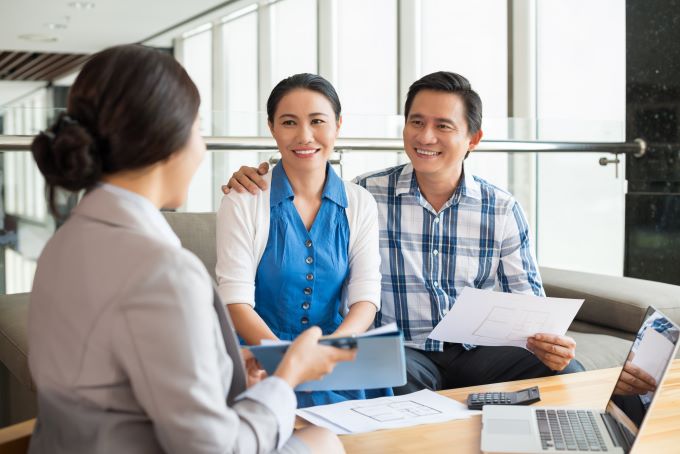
[(70, 34), (36, 66), (24, 63), (108, 23)]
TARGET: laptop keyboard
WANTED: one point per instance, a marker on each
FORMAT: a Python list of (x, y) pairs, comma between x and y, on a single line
[(569, 430)]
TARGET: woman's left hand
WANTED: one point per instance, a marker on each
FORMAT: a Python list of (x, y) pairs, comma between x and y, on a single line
[(254, 373)]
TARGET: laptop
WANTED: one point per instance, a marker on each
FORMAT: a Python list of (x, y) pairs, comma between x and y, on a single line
[(515, 429)]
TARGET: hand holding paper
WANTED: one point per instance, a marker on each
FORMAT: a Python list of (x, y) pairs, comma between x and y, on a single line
[(482, 317), (553, 350)]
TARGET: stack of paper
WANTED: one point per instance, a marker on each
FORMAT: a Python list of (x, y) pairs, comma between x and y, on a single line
[(356, 416)]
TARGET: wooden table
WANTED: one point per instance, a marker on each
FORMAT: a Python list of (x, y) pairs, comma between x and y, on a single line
[(584, 390)]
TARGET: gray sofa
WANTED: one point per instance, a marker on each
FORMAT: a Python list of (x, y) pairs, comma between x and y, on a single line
[(603, 329)]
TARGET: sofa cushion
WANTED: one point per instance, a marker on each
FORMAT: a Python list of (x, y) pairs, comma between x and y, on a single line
[(612, 301), (599, 351), (196, 231), (13, 336)]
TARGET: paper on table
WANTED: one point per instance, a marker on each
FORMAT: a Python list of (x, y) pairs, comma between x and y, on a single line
[(483, 317), (322, 422), (652, 353), (389, 328), (356, 416)]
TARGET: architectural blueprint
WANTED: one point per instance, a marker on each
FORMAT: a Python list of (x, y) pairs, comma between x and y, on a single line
[(484, 317), (504, 323), (395, 411), (354, 416)]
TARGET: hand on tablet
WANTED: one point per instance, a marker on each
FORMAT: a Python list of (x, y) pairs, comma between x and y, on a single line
[(307, 360)]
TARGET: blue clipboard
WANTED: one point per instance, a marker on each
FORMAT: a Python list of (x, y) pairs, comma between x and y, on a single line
[(380, 363)]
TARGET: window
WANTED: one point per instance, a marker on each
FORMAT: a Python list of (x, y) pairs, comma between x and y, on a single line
[(293, 33), (581, 97), (469, 37), (367, 67), (197, 59)]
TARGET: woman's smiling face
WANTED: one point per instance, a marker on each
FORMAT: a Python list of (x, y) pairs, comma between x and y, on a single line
[(305, 129)]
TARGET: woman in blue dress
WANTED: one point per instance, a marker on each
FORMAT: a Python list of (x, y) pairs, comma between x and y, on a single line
[(305, 251)]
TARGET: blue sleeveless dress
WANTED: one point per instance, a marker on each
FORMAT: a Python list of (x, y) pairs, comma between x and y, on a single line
[(300, 277)]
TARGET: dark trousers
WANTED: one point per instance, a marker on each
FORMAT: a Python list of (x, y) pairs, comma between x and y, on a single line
[(456, 367)]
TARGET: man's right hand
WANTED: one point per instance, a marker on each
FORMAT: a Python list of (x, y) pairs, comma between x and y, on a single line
[(247, 179), (307, 360)]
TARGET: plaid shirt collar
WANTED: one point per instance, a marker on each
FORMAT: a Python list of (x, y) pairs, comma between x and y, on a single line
[(407, 184)]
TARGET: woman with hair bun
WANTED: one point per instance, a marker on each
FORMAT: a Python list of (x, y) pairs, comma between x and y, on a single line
[(130, 350)]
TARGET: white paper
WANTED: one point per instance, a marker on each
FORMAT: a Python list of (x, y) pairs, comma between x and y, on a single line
[(389, 328), (652, 353), (483, 317), (357, 416), (386, 329), (321, 422)]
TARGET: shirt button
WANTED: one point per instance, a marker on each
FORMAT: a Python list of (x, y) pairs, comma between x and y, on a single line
[(436, 220), (305, 305), (435, 284), (445, 311), (310, 276), (308, 291), (304, 320), (308, 243), (435, 252), (309, 260)]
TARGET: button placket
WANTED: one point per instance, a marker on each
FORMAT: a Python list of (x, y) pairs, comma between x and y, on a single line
[(437, 228), (309, 277)]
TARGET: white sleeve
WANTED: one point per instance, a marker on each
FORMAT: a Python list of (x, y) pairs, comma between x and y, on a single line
[(236, 256), (363, 281)]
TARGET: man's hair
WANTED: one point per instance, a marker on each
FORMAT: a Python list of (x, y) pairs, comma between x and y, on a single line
[(448, 82)]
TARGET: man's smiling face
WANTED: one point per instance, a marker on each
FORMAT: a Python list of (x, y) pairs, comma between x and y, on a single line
[(436, 135)]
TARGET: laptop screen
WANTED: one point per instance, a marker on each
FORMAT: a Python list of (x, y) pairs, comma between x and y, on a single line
[(647, 361)]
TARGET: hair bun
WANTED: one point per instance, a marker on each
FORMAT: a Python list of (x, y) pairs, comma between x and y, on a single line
[(67, 156)]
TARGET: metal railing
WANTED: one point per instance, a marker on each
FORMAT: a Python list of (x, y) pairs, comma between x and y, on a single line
[(637, 148)]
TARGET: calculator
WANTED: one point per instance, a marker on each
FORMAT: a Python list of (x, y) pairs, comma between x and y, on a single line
[(476, 401)]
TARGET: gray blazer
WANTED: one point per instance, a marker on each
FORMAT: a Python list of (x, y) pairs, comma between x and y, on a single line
[(125, 347)]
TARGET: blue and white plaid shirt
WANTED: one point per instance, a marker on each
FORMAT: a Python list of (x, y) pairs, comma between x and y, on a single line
[(480, 238)]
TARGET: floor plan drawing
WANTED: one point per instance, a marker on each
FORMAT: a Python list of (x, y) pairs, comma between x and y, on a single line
[(396, 411), (484, 317), (511, 324)]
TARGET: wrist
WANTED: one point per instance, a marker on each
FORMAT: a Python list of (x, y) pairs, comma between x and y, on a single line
[(288, 372)]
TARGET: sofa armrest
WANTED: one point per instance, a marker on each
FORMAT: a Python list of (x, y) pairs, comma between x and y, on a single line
[(611, 301), (14, 336)]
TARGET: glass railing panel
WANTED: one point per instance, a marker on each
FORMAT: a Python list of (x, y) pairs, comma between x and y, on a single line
[(580, 203), (575, 205)]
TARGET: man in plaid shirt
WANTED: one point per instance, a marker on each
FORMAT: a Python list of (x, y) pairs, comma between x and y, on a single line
[(442, 229)]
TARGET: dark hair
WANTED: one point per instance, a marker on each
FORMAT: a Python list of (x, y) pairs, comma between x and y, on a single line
[(449, 82), (131, 106), (304, 81)]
